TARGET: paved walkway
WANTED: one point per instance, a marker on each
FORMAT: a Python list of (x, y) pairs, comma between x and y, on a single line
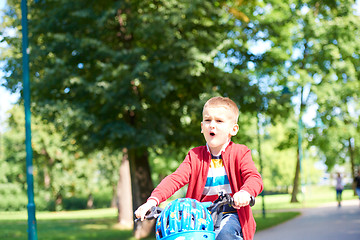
[(323, 223)]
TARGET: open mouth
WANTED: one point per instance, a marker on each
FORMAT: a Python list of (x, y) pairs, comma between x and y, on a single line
[(212, 134)]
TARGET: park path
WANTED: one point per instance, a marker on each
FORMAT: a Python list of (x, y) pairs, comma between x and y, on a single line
[(327, 222)]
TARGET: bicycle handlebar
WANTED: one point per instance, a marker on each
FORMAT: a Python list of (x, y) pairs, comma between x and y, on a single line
[(152, 214), (213, 207), (225, 199)]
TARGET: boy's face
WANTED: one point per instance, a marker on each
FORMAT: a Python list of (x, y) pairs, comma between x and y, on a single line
[(218, 126)]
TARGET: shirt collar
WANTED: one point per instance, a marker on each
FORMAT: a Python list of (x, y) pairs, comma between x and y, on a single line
[(222, 150)]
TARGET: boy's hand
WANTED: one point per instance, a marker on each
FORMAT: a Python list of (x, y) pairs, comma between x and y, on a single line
[(143, 209), (241, 199)]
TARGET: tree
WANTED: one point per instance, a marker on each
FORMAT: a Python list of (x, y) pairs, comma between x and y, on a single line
[(321, 47), (14, 152), (338, 118), (124, 74), (337, 91), (61, 169), (299, 39)]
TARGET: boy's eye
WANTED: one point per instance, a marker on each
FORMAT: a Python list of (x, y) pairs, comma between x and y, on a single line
[(219, 121)]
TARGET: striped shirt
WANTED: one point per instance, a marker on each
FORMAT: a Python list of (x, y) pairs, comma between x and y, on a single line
[(217, 180)]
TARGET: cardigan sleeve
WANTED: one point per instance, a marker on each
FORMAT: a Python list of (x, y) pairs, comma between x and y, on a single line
[(170, 184), (243, 175), (251, 178)]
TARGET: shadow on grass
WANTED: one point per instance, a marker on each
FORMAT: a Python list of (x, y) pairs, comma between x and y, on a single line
[(273, 219), (101, 228)]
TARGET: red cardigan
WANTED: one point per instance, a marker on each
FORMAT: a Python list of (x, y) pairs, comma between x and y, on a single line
[(239, 167)]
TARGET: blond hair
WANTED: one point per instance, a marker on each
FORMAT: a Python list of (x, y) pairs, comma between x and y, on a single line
[(223, 102)]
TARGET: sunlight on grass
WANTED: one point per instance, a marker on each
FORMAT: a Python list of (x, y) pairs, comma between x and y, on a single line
[(94, 226), (79, 214), (313, 196)]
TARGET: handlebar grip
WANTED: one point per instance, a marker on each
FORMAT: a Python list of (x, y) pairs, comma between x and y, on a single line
[(153, 213), (252, 201)]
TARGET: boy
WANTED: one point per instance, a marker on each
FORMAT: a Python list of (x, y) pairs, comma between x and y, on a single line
[(221, 165)]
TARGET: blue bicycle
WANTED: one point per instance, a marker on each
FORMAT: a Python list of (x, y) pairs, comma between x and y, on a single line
[(189, 219)]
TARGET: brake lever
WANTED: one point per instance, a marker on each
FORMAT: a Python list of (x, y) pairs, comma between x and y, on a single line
[(152, 214)]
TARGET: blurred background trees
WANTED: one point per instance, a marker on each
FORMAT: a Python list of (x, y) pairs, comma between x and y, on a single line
[(118, 81)]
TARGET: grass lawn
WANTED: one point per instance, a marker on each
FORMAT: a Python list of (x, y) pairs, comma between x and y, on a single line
[(65, 229), (71, 225), (97, 228), (84, 224), (272, 219), (101, 223)]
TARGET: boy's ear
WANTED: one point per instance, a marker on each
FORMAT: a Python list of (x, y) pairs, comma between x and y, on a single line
[(234, 130), (201, 126)]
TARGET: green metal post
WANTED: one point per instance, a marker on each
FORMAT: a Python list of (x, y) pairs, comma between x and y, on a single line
[(32, 233), (300, 127), (261, 165)]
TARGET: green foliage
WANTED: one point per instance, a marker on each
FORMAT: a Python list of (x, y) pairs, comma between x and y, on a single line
[(123, 74), (60, 168), (74, 203), (135, 74), (133, 71), (164, 161), (312, 55), (13, 197), (278, 149), (337, 86), (278, 164), (120, 79), (14, 151)]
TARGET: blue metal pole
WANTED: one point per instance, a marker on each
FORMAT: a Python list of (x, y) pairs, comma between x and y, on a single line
[(300, 129), (300, 140), (32, 234), (261, 164)]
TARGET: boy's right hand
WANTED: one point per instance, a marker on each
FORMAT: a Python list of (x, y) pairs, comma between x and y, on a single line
[(143, 209)]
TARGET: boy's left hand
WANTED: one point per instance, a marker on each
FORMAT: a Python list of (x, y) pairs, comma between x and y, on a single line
[(241, 199)]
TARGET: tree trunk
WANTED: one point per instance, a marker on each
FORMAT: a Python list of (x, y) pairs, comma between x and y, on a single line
[(299, 151), (296, 180), (114, 200), (58, 201), (352, 158), (142, 187), (47, 178), (124, 195), (90, 202)]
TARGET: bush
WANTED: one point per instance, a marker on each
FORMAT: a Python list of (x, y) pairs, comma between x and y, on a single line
[(12, 197), (42, 201), (74, 203), (102, 200)]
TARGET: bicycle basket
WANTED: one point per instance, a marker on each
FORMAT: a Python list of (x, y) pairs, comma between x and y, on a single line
[(185, 219)]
